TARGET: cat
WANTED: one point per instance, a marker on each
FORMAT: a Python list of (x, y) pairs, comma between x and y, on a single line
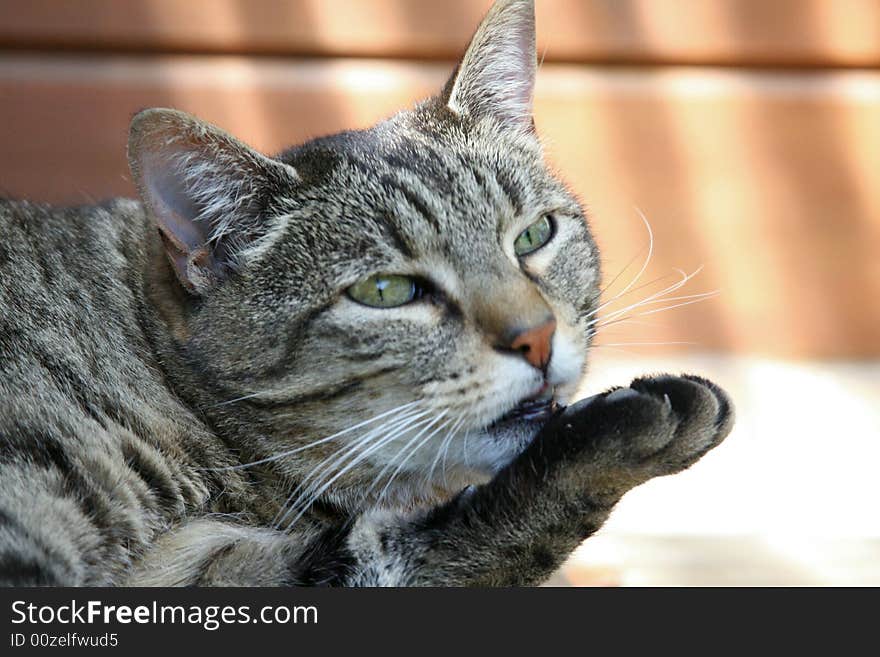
[(350, 365)]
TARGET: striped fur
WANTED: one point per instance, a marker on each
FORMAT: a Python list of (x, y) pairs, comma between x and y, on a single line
[(189, 396)]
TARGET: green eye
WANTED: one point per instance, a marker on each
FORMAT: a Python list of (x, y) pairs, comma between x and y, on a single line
[(534, 237), (384, 291)]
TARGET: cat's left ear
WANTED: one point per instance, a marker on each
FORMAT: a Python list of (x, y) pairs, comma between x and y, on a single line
[(496, 77), (206, 192)]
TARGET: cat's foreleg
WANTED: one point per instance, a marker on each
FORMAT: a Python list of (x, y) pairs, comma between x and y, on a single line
[(518, 528)]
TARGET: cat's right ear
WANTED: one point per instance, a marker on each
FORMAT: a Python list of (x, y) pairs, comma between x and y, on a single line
[(496, 76), (206, 191)]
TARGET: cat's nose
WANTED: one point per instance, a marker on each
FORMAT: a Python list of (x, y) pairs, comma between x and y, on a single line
[(535, 343)]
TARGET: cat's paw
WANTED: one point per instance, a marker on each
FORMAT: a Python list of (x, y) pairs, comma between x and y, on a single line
[(702, 412), (656, 426)]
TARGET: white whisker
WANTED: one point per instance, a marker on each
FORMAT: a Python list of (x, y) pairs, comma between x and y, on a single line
[(307, 499), (354, 445), (296, 450), (238, 399), (390, 463), (647, 258), (436, 460), (453, 431), (408, 457), (337, 457), (651, 298), (677, 305), (641, 344)]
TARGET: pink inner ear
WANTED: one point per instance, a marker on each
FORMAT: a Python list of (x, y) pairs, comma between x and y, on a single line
[(185, 239), (197, 183), (173, 209)]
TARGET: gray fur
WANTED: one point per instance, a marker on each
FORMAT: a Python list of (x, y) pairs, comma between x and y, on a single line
[(189, 396)]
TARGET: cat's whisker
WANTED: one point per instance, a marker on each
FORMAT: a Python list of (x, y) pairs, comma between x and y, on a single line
[(452, 433), (401, 414), (326, 468), (306, 499), (647, 257), (321, 441), (617, 276), (667, 290), (313, 492), (444, 445), (403, 463), (685, 297), (628, 314), (657, 296), (390, 463), (595, 329), (238, 399), (677, 305), (641, 344), (629, 288), (626, 289), (624, 320), (672, 288), (279, 516), (444, 449), (608, 302), (696, 299), (412, 453), (446, 440), (276, 521), (543, 55), (349, 448), (464, 449)]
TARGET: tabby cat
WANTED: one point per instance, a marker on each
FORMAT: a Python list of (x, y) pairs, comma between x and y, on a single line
[(345, 365)]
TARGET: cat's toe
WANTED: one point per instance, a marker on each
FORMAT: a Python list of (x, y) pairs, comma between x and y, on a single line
[(625, 424), (704, 415), (657, 426)]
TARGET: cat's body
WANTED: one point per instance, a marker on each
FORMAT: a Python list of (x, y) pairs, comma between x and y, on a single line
[(339, 366)]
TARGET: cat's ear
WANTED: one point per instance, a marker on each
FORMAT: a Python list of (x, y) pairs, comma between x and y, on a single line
[(496, 77), (206, 191)]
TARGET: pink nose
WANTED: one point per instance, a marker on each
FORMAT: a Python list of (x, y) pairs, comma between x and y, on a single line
[(535, 344)]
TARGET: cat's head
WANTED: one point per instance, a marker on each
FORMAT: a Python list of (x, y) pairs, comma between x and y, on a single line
[(413, 296)]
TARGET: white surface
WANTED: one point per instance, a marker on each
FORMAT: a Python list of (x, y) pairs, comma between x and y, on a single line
[(791, 497)]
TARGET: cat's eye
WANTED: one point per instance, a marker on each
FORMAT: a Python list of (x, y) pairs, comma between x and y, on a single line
[(534, 237), (385, 291)]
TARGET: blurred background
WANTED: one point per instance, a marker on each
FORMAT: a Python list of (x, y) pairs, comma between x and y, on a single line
[(747, 132)]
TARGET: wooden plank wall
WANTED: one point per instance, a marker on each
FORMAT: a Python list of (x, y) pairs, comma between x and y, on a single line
[(747, 131)]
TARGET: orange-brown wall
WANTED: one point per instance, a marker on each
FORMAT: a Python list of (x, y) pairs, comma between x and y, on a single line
[(747, 131)]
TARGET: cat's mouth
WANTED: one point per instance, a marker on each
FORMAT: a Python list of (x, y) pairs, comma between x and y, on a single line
[(538, 407)]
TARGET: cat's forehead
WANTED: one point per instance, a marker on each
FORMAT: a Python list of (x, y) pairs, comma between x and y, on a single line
[(433, 185), (440, 152)]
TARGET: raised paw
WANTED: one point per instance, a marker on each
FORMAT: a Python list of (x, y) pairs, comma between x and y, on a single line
[(656, 426), (703, 413)]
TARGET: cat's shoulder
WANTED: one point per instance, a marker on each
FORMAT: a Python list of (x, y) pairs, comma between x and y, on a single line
[(46, 227), (12, 209)]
